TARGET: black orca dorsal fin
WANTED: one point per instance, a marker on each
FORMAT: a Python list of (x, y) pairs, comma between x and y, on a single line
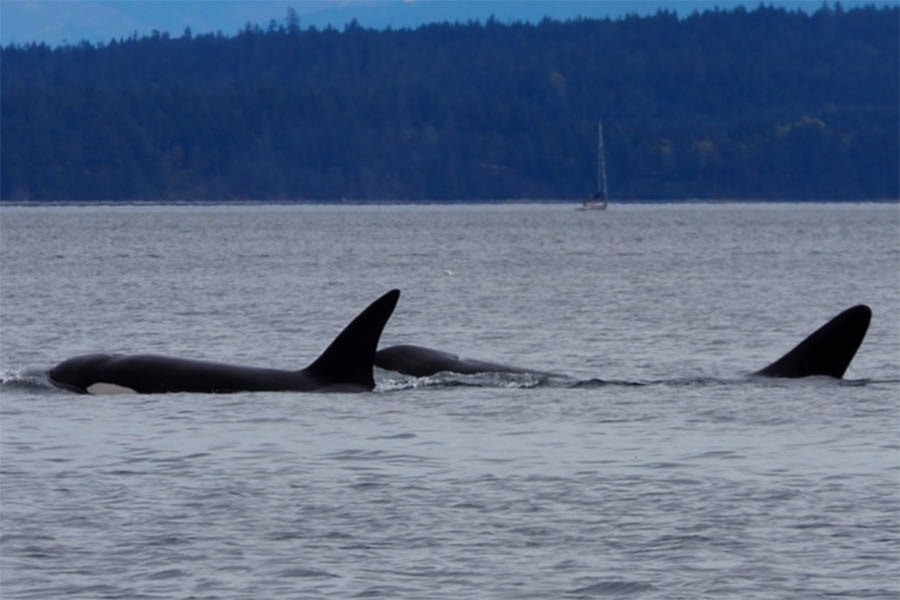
[(828, 350), (349, 359)]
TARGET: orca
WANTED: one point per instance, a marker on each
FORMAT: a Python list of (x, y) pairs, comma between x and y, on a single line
[(420, 361), (827, 351), (345, 366)]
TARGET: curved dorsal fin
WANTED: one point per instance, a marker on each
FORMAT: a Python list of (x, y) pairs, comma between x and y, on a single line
[(348, 360), (828, 350)]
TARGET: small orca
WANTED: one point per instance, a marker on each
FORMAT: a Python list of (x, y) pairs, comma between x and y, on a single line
[(419, 361), (346, 365), (827, 351)]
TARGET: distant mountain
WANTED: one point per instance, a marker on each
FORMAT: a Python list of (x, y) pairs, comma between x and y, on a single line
[(766, 103), (57, 22)]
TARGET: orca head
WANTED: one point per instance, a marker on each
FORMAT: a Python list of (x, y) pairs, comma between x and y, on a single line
[(77, 374)]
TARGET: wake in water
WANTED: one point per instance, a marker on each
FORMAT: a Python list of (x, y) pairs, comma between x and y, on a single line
[(391, 381), (27, 379), (36, 380)]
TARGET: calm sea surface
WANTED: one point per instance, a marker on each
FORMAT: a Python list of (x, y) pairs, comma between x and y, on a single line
[(654, 467)]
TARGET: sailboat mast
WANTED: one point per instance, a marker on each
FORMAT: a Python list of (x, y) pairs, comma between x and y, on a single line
[(601, 162)]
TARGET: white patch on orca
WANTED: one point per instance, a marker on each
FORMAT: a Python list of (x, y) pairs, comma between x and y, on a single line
[(108, 388)]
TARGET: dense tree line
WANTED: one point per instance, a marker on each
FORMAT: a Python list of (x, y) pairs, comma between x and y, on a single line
[(765, 103)]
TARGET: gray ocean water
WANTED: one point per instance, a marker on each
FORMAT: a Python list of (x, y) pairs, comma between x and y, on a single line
[(654, 468)]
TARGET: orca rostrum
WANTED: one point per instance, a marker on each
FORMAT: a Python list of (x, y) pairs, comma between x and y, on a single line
[(346, 366), (827, 351)]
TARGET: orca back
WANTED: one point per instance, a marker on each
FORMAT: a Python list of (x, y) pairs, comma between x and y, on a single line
[(346, 365), (420, 361)]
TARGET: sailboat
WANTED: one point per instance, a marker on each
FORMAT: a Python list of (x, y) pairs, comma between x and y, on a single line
[(599, 200)]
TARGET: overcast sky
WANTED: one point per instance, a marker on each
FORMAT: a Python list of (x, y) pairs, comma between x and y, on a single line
[(60, 21)]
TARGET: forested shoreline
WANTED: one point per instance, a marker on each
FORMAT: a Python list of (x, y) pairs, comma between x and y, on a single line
[(743, 104)]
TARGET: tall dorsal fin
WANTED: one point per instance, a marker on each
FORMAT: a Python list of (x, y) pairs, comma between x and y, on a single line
[(828, 350), (349, 359)]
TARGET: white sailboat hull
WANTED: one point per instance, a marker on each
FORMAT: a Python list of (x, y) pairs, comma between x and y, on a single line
[(592, 205)]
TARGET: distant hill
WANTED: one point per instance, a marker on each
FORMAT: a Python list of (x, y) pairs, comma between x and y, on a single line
[(767, 104)]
